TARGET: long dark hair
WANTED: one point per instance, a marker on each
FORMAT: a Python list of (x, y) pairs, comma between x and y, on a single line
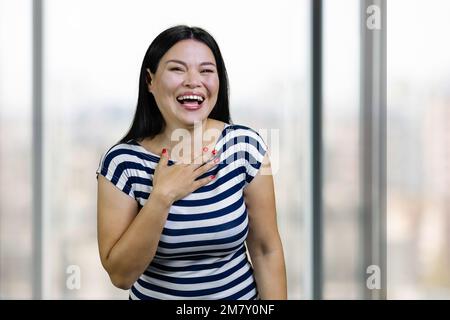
[(148, 120)]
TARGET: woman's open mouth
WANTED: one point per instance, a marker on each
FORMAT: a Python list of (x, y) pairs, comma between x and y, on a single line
[(191, 102)]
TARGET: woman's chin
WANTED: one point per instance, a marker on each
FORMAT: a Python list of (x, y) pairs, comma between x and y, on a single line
[(193, 122), (193, 118)]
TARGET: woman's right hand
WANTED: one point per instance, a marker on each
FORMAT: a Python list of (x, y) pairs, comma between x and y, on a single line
[(179, 180)]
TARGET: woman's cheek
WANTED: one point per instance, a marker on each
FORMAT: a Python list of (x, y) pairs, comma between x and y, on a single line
[(213, 85)]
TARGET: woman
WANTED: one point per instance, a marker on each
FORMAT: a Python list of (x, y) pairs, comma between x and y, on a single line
[(182, 196)]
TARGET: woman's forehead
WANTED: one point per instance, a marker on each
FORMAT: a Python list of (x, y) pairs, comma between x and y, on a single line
[(189, 51)]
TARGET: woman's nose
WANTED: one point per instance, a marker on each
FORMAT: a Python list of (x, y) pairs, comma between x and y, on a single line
[(192, 79)]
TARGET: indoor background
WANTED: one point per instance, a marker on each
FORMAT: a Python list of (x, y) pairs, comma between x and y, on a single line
[(91, 55)]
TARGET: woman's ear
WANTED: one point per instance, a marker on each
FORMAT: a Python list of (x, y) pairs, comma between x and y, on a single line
[(148, 78)]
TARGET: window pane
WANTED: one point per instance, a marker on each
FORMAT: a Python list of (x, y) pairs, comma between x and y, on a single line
[(341, 222), (418, 150), (15, 150)]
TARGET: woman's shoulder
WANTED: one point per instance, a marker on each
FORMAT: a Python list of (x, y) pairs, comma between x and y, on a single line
[(120, 148), (130, 151), (240, 130), (241, 137), (229, 126), (125, 156)]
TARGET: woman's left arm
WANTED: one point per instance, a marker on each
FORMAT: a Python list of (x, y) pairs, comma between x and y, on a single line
[(263, 240)]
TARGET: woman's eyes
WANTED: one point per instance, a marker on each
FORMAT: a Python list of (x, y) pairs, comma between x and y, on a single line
[(202, 71)]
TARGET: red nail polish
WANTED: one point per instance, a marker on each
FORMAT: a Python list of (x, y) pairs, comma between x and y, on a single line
[(164, 151), (213, 177), (214, 152), (205, 149)]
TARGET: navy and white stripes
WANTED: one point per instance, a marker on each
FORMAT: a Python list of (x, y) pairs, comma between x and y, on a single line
[(201, 253)]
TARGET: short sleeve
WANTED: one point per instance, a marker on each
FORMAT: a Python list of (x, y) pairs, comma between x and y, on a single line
[(256, 149), (113, 166)]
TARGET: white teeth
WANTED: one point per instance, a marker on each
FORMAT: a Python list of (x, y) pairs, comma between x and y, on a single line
[(199, 98)]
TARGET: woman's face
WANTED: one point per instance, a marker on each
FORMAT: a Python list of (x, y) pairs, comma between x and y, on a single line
[(186, 83)]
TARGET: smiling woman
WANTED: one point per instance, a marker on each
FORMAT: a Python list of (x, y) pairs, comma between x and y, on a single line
[(186, 77), (168, 229)]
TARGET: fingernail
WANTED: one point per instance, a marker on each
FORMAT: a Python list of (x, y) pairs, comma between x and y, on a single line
[(205, 149), (213, 177), (216, 160), (164, 150), (214, 152)]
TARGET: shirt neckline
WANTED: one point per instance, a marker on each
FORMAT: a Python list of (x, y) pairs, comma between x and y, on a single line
[(221, 136)]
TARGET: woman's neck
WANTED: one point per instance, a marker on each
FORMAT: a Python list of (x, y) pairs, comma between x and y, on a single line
[(172, 132)]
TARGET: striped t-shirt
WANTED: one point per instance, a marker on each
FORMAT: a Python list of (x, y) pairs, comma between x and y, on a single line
[(201, 253)]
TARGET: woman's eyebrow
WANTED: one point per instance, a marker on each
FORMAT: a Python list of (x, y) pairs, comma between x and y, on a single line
[(185, 64), (207, 63)]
